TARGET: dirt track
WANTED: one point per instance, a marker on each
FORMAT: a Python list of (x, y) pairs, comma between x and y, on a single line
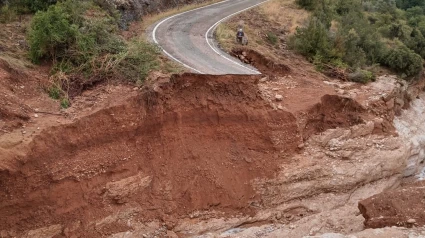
[(184, 37)]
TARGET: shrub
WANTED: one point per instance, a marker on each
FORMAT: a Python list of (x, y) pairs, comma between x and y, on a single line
[(54, 92), (39, 5), (139, 59), (7, 13), (357, 39), (404, 61), (405, 4), (361, 76), (312, 40), (272, 38), (416, 42), (84, 43), (26, 6), (51, 33), (354, 55), (307, 4), (65, 103), (343, 7)]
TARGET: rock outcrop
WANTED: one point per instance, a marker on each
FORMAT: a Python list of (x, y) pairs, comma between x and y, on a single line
[(132, 10), (410, 125)]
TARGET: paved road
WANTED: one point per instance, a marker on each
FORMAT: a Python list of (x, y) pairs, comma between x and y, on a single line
[(188, 38)]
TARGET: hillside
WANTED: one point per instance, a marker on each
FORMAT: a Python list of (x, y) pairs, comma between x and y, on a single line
[(103, 136)]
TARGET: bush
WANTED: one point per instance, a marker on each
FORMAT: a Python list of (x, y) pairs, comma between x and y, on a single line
[(272, 38), (65, 103), (51, 33), (416, 42), (404, 61), (27, 6), (343, 7), (405, 4), (312, 40), (340, 34), (139, 59), (84, 43), (39, 5), (307, 4), (354, 55), (7, 13), (54, 92), (361, 76)]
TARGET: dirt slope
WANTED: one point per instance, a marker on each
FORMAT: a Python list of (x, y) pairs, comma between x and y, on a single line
[(200, 140), (196, 154), (185, 144), (401, 207)]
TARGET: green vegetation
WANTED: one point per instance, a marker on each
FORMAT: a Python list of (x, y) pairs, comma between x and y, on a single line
[(83, 42), (32, 5), (272, 38), (7, 13), (307, 4), (361, 76), (356, 34), (10, 10)]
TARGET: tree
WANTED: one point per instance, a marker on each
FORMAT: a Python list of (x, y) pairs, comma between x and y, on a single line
[(406, 4), (403, 60), (307, 4), (354, 55), (51, 32), (416, 42), (312, 40)]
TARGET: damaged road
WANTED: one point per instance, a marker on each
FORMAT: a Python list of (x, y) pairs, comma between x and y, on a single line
[(188, 38)]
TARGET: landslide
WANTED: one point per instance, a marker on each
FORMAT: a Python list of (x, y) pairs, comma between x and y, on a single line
[(197, 141), (184, 144)]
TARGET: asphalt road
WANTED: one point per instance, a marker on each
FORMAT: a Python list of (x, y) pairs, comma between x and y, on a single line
[(188, 38)]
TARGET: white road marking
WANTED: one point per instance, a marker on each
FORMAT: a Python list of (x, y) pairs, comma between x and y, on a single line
[(206, 36), (217, 51), (168, 18)]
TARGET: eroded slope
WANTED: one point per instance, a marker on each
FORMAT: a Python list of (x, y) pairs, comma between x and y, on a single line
[(184, 144)]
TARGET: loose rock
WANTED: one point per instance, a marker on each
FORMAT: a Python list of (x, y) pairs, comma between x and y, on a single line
[(278, 97)]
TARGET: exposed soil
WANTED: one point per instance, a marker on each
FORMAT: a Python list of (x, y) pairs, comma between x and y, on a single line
[(401, 207), (260, 62), (11, 118), (197, 142), (200, 139), (181, 147), (344, 112), (20, 95)]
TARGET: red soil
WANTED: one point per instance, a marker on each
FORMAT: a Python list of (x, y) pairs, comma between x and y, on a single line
[(186, 143)]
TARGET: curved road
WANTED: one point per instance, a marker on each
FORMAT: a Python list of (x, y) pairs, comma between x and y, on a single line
[(188, 38)]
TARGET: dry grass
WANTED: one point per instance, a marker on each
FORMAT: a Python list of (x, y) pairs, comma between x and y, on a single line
[(14, 63), (278, 18), (284, 12), (225, 35), (13, 48)]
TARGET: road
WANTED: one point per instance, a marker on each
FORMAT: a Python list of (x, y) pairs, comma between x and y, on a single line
[(188, 38)]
